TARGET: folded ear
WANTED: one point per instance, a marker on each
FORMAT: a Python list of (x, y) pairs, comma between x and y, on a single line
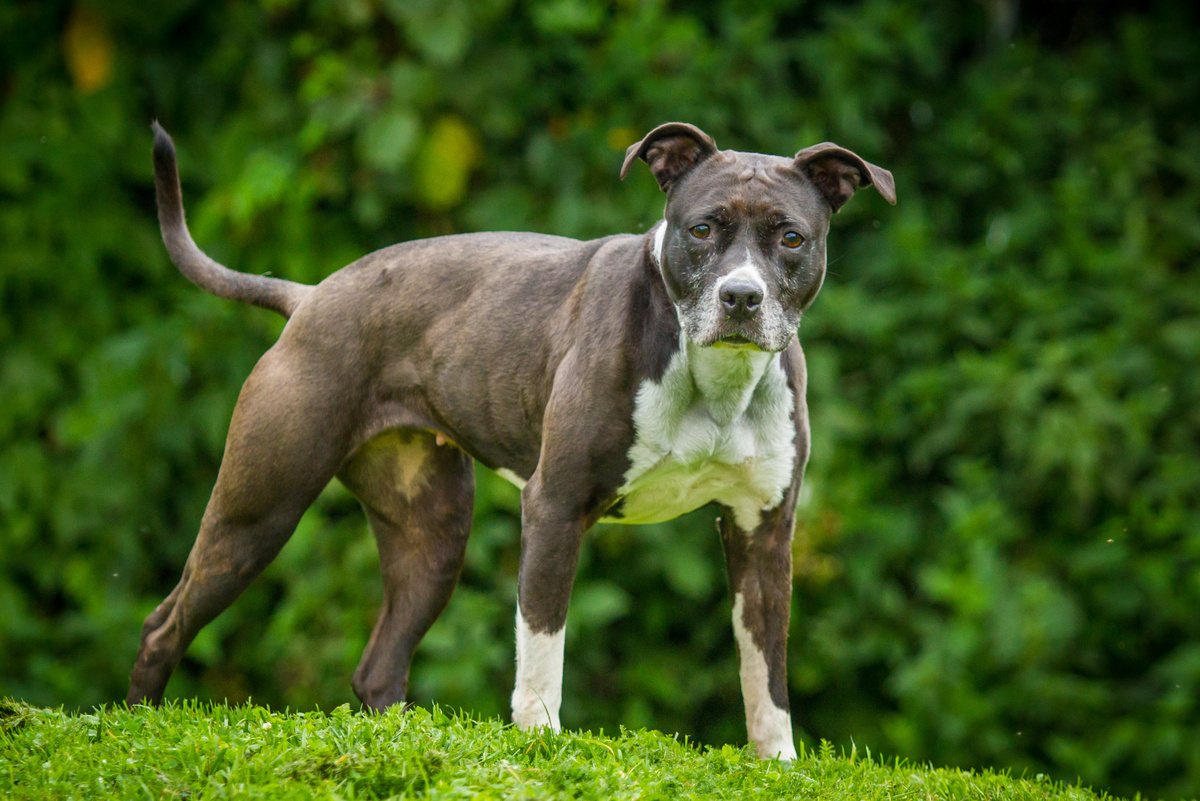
[(837, 172), (672, 150)]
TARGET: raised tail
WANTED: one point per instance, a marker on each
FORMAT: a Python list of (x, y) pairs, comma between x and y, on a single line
[(275, 294)]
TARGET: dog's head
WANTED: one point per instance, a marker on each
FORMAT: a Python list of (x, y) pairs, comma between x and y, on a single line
[(742, 249)]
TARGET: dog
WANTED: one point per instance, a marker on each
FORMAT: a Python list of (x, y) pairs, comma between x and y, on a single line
[(631, 378)]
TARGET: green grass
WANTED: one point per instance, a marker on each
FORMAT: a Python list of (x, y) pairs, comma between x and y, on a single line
[(199, 751)]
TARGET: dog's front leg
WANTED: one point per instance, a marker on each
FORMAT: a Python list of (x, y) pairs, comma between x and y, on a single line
[(760, 581), (551, 532)]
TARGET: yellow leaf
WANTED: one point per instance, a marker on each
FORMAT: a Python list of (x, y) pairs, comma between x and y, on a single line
[(447, 157), (88, 50), (620, 138)]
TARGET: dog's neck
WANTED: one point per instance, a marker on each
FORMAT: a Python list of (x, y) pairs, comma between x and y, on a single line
[(726, 378)]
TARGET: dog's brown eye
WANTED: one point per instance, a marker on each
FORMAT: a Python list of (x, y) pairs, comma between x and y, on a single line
[(701, 231), (792, 240)]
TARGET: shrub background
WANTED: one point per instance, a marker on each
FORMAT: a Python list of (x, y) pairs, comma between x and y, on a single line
[(998, 543)]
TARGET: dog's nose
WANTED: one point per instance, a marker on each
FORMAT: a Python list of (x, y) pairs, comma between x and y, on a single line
[(741, 298)]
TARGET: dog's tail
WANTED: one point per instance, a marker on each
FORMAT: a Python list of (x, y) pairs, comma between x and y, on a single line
[(275, 294)]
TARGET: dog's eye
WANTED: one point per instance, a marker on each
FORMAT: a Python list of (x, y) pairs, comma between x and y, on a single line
[(701, 231), (792, 240)]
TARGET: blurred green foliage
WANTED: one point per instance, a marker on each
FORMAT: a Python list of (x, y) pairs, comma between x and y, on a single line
[(999, 538)]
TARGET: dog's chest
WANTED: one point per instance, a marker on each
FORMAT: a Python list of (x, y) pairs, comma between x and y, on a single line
[(716, 427)]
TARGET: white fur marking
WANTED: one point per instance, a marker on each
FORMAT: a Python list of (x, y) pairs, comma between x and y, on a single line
[(511, 477), (538, 694), (768, 726), (660, 234), (716, 426), (748, 271)]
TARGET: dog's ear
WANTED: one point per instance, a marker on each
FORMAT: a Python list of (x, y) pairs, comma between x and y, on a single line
[(671, 150), (837, 172)]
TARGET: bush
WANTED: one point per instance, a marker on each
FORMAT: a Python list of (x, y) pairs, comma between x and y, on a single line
[(996, 556)]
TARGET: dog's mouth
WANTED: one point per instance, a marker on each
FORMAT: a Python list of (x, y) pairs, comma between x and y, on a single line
[(736, 341), (762, 334)]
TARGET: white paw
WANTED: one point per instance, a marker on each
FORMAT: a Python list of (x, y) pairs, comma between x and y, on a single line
[(530, 713), (781, 749)]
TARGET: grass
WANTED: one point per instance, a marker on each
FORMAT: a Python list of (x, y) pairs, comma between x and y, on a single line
[(200, 751)]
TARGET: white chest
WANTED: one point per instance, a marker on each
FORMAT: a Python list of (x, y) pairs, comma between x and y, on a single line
[(717, 427)]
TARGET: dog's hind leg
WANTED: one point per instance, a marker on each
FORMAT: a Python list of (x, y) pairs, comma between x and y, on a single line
[(418, 497), (288, 435)]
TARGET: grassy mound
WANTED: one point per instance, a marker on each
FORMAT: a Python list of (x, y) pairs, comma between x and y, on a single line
[(201, 751)]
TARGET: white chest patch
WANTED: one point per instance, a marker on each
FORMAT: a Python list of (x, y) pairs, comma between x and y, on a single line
[(716, 427)]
